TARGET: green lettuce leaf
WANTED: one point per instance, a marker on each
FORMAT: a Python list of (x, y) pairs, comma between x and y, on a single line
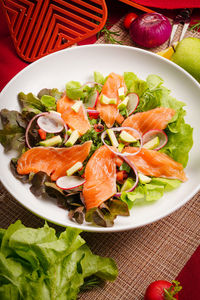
[(179, 143), (154, 81), (74, 90), (99, 78), (49, 102), (36, 264), (30, 103), (55, 93), (149, 192), (134, 84)]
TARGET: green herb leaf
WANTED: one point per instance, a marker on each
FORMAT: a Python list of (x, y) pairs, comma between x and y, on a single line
[(195, 26), (110, 36), (125, 167)]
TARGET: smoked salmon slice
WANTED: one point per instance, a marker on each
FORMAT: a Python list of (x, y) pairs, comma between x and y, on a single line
[(156, 118), (100, 175), (157, 164), (109, 112), (75, 120), (53, 161)]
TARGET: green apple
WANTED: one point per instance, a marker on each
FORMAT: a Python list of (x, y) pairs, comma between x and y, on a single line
[(187, 55)]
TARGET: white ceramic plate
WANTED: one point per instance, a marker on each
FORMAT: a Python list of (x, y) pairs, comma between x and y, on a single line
[(78, 64)]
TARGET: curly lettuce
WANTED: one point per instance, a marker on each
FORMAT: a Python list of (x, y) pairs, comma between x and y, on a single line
[(149, 192), (153, 94), (39, 264)]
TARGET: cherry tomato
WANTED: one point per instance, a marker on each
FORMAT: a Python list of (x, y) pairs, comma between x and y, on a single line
[(129, 18), (42, 134), (121, 175), (155, 290)]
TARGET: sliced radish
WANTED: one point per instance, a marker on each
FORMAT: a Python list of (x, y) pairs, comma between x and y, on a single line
[(92, 101), (136, 176), (94, 114), (151, 134), (51, 123), (69, 182), (135, 133), (54, 117), (133, 101)]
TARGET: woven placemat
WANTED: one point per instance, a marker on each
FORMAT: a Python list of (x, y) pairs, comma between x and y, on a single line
[(156, 251)]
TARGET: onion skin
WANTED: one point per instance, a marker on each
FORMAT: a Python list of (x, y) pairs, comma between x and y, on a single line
[(150, 30)]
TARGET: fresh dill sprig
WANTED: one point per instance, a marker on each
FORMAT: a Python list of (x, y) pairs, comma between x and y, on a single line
[(196, 26), (109, 34)]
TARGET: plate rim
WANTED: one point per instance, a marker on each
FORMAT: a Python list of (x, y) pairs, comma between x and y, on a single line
[(87, 227)]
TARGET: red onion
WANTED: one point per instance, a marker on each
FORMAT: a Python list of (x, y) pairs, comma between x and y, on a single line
[(136, 176), (29, 126), (150, 30), (149, 135)]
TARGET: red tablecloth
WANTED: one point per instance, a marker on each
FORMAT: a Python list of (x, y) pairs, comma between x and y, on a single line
[(11, 64), (169, 4)]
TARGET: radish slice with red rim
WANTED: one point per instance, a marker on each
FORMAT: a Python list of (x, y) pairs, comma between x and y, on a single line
[(136, 176), (92, 100), (151, 134), (54, 115), (133, 102), (93, 113), (51, 123), (135, 133), (69, 182)]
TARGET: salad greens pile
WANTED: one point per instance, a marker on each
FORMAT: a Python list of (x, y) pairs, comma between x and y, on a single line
[(39, 264), (151, 94)]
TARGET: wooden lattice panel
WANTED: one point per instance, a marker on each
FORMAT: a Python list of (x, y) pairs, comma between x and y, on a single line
[(40, 27)]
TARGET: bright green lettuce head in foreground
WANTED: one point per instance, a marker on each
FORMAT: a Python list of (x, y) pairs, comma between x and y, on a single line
[(36, 264)]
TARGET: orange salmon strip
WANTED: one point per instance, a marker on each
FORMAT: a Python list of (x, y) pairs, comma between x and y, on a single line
[(100, 175), (109, 112), (156, 118), (157, 164), (53, 161), (75, 120)]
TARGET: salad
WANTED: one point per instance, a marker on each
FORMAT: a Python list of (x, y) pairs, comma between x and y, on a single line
[(100, 148)]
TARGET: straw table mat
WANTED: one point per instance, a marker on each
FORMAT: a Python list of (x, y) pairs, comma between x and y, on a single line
[(156, 251)]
